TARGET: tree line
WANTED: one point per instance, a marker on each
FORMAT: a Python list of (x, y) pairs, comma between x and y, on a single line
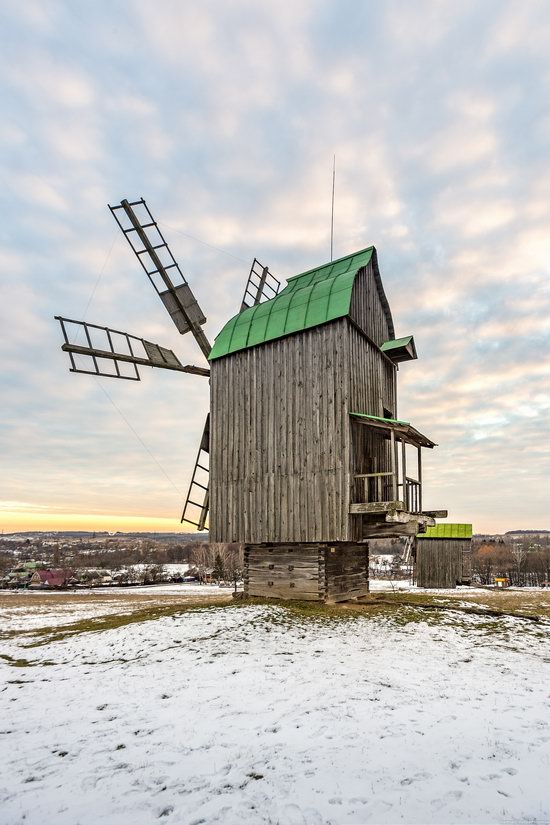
[(524, 564)]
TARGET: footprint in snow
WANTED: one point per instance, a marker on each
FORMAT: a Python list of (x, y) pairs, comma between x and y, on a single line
[(293, 815), (416, 778), (449, 797)]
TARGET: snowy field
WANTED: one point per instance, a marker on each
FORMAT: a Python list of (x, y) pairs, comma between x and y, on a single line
[(24, 609), (257, 714)]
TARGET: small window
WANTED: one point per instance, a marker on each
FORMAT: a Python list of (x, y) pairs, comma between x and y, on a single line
[(387, 413)]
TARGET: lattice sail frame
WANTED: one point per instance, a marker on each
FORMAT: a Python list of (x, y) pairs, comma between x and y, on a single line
[(152, 251), (123, 353), (260, 286)]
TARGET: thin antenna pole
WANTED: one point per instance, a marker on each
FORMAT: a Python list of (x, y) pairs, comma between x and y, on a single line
[(332, 208)]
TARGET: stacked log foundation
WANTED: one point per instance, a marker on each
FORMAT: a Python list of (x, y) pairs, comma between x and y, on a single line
[(310, 572)]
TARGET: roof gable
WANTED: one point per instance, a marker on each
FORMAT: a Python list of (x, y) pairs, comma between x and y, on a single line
[(308, 300)]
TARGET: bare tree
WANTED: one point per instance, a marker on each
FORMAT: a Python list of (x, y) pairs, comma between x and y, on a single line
[(202, 560), (519, 554)]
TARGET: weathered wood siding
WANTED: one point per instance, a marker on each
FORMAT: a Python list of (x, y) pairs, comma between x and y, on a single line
[(372, 376), (439, 562), (283, 451), (312, 572), (346, 572), (279, 440), (466, 562), (366, 306), (285, 571), (372, 389)]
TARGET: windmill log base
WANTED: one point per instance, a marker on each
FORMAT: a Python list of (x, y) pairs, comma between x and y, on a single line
[(317, 572)]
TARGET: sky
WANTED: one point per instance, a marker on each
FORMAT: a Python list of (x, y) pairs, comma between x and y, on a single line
[(225, 117)]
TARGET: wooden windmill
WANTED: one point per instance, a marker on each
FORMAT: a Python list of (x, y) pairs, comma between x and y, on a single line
[(99, 350), (302, 458)]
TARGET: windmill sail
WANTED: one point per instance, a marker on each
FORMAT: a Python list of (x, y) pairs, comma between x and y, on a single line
[(196, 511), (261, 285), (147, 241), (97, 350)]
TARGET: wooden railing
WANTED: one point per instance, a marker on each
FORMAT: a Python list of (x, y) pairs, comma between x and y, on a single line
[(372, 480), (413, 495), (372, 488)]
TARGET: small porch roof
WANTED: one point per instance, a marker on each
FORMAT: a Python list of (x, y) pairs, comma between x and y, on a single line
[(402, 429)]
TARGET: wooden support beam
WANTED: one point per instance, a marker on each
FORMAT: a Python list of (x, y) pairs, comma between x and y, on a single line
[(393, 464), (376, 507), (193, 370), (420, 479), (404, 471), (371, 475), (435, 513), (405, 517)]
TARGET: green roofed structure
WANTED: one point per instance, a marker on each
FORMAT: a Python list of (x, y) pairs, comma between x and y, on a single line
[(443, 556), (447, 531), (303, 455)]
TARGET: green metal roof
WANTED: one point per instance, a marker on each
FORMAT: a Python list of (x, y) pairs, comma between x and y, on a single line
[(402, 429), (447, 531), (312, 298), (396, 343), (381, 418)]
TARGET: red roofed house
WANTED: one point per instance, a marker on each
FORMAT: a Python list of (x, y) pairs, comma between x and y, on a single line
[(50, 578)]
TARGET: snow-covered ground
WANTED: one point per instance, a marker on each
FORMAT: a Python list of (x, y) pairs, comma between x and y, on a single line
[(255, 714), (406, 585), (30, 607)]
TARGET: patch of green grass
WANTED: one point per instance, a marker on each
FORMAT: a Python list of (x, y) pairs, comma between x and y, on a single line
[(24, 662), (398, 607), (97, 624)]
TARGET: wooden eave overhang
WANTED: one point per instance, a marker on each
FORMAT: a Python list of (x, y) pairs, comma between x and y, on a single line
[(400, 349), (403, 430)]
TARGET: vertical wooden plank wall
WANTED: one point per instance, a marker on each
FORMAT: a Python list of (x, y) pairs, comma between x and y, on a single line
[(281, 462), (373, 388), (366, 307), (439, 562), (466, 561)]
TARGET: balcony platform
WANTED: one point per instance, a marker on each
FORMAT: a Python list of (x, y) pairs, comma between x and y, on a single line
[(392, 518)]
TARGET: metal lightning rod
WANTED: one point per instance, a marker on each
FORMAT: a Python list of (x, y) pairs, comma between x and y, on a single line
[(332, 208)]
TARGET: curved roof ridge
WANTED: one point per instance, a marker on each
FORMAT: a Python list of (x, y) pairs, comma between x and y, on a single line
[(312, 298), (332, 263)]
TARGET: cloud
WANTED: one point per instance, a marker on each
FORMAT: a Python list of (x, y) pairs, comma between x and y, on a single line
[(226, 118)]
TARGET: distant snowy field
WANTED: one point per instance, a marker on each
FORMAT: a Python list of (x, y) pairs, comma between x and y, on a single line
[(93, 601), (254, 714)]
